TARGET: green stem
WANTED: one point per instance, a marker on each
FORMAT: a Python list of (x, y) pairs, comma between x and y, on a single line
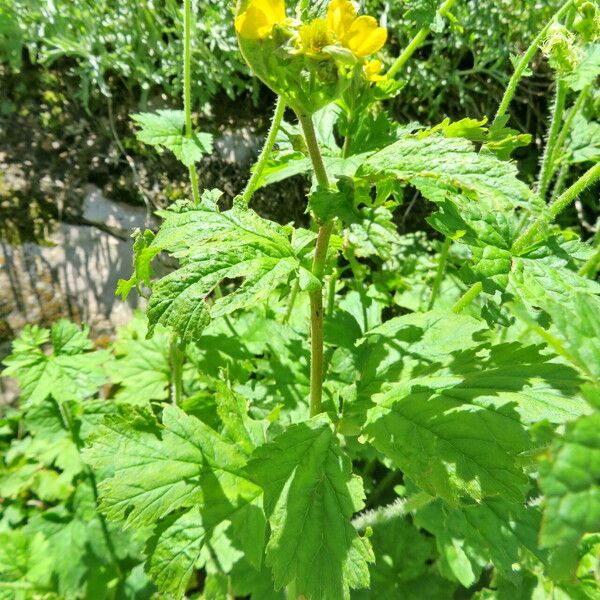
[(416, 42), (318, 268), (560, 142), (555, 208), (440, 272), (187, 89), (559, 184), (468, 297), (558, 109), (525, 60), (591, 265), (261, 163)]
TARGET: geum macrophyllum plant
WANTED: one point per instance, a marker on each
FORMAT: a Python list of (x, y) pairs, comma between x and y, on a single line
[(450, 383)]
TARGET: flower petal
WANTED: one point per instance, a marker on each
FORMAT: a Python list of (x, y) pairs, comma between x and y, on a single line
[(365, 36), (259, 18), (340, 16)]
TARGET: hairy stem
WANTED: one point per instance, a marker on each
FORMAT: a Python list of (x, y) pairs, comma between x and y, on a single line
[(525, 60), (591, 266), (558, 109), (468, 297), (187, 89), (318, 268), (259, 167), (416, 42), (555, 208), (440, 272)]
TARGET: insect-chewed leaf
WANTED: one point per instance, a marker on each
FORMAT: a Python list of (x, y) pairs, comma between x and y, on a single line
[(310, 495), (211, 246), (457, 424), (164, 129)]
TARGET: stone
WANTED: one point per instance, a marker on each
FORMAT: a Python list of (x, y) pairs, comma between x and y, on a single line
[(117, 217)]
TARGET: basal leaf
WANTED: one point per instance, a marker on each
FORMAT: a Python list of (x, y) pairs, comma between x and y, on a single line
[(310, 495)]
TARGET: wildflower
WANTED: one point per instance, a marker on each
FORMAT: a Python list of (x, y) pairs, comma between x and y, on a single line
[(315, 36), (259, 18), (362, 35)]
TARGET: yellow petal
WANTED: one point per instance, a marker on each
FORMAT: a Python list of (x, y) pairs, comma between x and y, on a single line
[(259, 18), (340, 16), (372, 70), (365, 36)]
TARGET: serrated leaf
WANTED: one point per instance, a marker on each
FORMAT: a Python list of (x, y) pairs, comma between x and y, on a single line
[(436, 165), (457, 427), (152, 469), (569, 477), (472, 536), (212, 246), (68, 372), (310, 495), (165, 129)]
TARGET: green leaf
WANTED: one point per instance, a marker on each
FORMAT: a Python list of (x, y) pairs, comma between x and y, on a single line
[(435, 165), (587, 70), (68, 372), (165, 129), (24, 559), (212, 246), (569, 477), (141, 366), (472, 536), (153, 470), (405, 566), (456, 426), (310, 496)]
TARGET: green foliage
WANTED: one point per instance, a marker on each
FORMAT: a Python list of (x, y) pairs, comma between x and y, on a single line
[(454, 448)]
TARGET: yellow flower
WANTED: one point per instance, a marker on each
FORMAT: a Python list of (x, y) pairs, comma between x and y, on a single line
[(314, 36), (259, 18), (365, 36), (340, 15), (372, 70), (362, 35)]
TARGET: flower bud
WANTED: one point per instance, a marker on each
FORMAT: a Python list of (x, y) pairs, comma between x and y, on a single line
[(560, 49)]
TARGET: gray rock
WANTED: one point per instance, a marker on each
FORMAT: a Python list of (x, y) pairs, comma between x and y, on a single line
[(116, 217), (74, 276), (239, 147)]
